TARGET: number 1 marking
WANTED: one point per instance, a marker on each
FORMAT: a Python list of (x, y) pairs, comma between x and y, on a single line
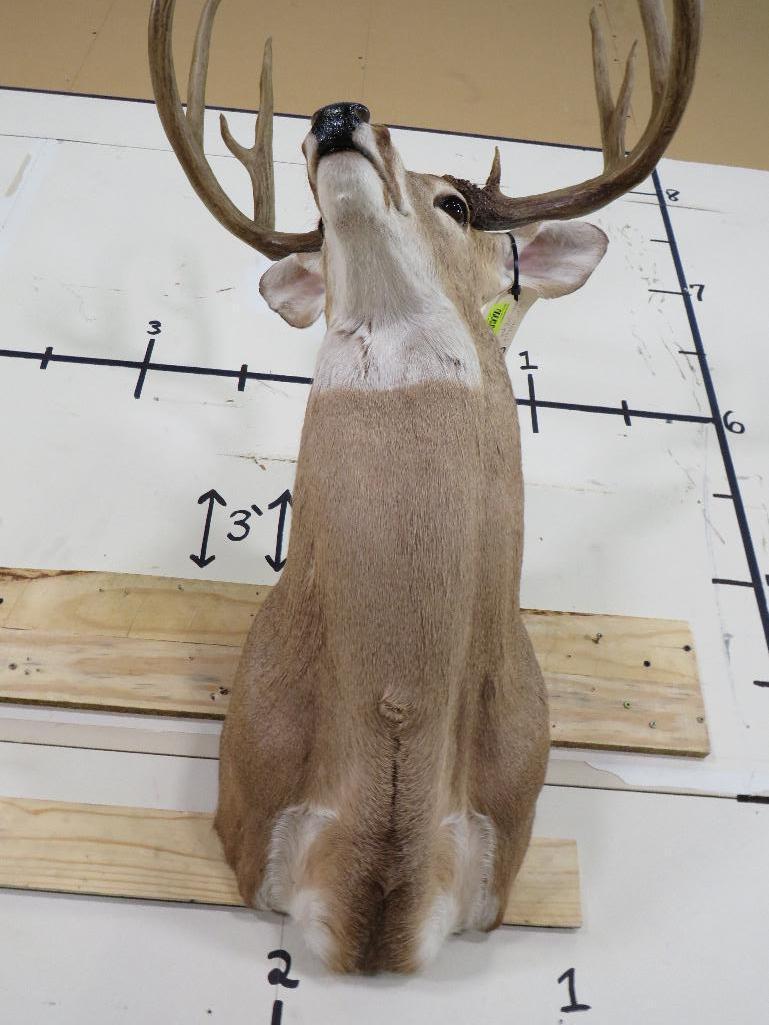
[(568, 975)]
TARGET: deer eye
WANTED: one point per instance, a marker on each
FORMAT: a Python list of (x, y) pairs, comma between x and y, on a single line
[(454, 207)]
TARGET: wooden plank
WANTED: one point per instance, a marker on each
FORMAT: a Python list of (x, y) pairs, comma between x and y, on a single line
[(621, 683), (116, 674), (193, 680), (150, 644), (176, 856), (128, 605)]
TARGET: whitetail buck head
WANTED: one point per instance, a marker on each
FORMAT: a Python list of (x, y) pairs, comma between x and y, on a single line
[(388, 733), (399, 245)]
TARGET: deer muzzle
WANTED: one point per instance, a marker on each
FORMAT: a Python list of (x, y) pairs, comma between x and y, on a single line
[(345, 130), (334, 126)]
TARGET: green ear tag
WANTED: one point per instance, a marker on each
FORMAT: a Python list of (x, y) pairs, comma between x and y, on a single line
[(496, 316)]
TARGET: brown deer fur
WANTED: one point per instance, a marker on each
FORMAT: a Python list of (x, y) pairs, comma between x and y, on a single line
[(387, 734)]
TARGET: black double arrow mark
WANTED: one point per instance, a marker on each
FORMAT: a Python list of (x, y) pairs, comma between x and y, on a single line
[(212, 498)]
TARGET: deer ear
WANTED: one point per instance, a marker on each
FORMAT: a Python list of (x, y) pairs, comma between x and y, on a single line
[(560, 258), (294, 288)]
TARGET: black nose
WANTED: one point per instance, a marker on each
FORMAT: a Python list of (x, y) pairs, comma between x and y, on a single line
[(333, 125)]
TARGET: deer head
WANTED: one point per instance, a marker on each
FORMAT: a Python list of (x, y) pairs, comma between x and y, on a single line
[(388, 732), (399, 245)]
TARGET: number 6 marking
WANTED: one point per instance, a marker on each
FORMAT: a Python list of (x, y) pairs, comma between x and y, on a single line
[(733, 425)]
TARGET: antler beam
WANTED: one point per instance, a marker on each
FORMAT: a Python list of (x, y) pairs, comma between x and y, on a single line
[(671, 69), (185, 133)]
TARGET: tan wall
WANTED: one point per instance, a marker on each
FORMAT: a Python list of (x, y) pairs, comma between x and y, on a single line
[(502, 67)]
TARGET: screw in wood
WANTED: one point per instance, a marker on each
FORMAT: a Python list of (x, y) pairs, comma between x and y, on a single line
[(653, 724)]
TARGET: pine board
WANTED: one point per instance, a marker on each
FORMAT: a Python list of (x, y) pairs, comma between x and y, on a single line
[(121, 642), (176, 856)]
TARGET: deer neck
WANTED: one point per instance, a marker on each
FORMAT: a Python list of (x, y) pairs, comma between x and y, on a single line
[(391, 325)]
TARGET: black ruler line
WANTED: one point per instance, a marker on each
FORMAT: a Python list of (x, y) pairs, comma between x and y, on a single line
[(243, 374), (723, 441), (49, 356), (144, 366), (251, 375), (623, 411), (532, 403)]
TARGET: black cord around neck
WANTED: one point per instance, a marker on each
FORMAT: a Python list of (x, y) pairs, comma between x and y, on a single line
[(515, 291)]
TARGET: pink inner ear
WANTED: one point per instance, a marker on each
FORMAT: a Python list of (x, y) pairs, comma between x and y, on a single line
[(561, 257), (294, 288), (310, 284), (537, 257)]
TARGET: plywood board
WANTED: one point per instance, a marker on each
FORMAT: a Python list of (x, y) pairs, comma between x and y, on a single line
[(128, 605), (171, 855), (116, 674), (125, 642)]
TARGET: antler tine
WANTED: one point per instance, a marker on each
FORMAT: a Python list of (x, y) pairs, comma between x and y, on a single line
[(495, 174), (257, 159), (612, 116), (601, 78), (196, 83), (185, 133), (622, 107), (672, 69), (658, 46)]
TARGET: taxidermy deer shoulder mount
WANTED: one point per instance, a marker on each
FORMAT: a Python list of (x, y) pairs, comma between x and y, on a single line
[(388, 727)]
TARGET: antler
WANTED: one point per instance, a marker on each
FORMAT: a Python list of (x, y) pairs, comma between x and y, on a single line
[(185, 133), (671, 70)]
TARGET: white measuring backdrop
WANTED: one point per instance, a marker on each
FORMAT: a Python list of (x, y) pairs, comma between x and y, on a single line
[(143, 382)]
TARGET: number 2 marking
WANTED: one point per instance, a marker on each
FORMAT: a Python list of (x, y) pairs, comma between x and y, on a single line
[(279, 976)]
